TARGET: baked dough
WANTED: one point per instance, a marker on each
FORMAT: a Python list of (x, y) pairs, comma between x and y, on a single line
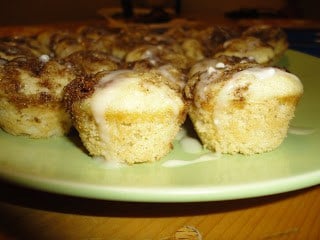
[(31, 92), (238, 106), (127, 116)]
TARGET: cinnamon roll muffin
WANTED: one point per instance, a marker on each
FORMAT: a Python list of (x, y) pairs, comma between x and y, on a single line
[(238, 106), (19, 46), (158, 55), (122, 115), (90, 62), (247, 47), (98, 38), (128, 39), (61, 44), (273, 36), (31, 91)]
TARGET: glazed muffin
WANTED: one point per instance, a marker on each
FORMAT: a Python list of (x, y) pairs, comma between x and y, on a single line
[(122, 115), (61, 44), (273, 36), (31, 93), (247, 47), (128, 39), (241, 107), (192, 41), (90, 62), (97, 37), (158, 55)]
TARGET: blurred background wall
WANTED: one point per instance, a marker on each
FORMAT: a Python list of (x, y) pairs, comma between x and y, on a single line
[(44, 11)]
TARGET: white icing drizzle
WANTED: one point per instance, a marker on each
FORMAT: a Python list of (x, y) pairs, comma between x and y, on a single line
[(301, 130), (261, 82), (190, 145), (181, 134), (112, 76), (220, 65), (150, 54), (211, 70), (263, 74), (100, 102), (203, 158), (147, 54), (121, 91), (44, 58), (108, 164), (206, 65), (165, 72)]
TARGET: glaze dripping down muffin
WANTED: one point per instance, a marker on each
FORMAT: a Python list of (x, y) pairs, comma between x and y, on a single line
[(241, 108), (126, 116)]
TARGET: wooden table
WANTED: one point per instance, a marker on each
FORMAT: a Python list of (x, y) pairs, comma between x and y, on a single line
[(31, 214)]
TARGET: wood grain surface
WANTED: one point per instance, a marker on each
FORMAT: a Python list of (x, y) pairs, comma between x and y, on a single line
[(31, 214)]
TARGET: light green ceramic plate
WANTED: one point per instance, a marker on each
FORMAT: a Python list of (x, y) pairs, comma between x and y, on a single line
[(60, 165)]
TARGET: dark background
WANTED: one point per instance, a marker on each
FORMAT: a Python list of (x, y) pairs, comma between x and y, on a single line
[(19, 12)]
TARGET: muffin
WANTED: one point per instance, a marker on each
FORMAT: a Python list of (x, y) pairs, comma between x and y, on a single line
[(31, 93), (158, 55), (273, 36), (15, 47), (90, 62), (126, 116), (247, 47), (238, 106), (61, 43)]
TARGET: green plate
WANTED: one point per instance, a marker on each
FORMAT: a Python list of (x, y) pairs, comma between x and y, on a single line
[(61, 165)]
